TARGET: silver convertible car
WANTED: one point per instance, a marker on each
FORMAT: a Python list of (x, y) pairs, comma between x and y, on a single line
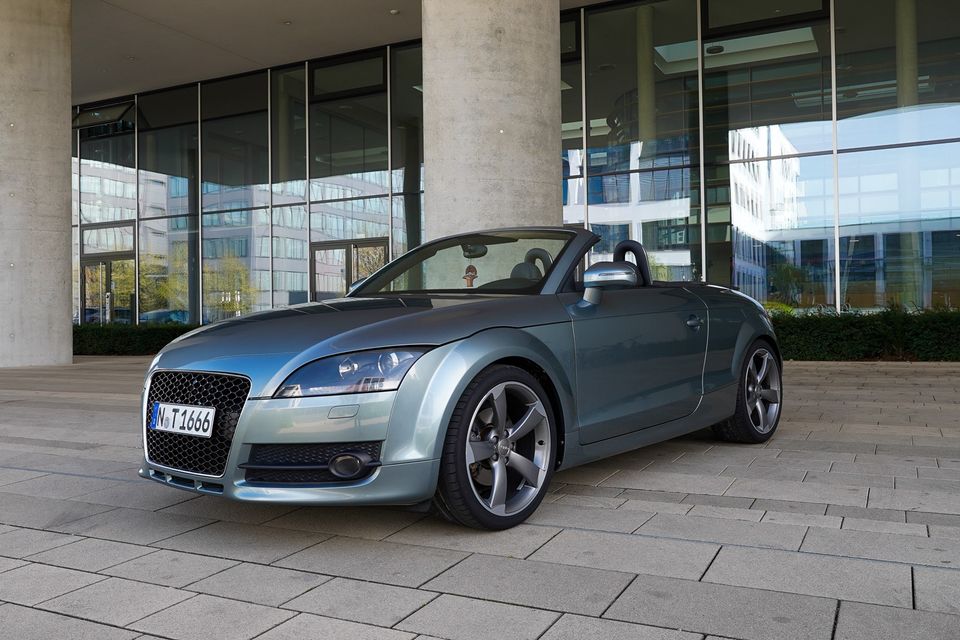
[(465, 373)]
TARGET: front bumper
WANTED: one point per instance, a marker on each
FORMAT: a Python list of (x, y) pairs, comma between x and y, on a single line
[(406, 476)]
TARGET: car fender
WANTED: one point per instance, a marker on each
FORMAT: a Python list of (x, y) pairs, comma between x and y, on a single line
[(754, 326), (430, 391)]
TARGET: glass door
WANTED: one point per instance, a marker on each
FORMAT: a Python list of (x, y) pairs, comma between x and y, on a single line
[(337, 265), (109, 292)]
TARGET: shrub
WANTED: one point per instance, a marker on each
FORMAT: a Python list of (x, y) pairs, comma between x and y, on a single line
[(893, 334), (124, 340)]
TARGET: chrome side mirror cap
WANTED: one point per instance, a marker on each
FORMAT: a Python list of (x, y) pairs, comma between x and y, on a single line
[(607, 275)]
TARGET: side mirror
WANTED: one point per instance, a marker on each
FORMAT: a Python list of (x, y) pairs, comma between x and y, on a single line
[(607, 275)]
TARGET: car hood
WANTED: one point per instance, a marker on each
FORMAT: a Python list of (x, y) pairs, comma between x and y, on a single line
[(268, 346)]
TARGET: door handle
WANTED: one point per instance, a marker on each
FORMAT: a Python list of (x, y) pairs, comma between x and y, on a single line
[(694, 322)]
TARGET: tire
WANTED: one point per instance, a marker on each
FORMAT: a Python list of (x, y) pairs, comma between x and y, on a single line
[(759, 398), (498, 454)]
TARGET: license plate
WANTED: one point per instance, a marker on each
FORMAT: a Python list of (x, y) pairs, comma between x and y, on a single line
[(189, 420)]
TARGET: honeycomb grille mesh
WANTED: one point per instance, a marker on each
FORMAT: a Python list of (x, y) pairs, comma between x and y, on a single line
[(302, 455), (189, 453)]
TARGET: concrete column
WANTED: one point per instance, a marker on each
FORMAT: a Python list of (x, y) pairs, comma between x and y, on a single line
[(491, 112), (646, 81), (907, 68), (35, 271)]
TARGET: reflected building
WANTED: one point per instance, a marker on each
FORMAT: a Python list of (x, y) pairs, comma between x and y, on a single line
[(806, 155)]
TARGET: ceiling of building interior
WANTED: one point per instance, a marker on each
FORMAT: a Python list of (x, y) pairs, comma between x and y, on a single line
[(127, 46)]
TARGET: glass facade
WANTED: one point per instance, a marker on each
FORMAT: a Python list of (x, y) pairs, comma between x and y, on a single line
[(805, 153)]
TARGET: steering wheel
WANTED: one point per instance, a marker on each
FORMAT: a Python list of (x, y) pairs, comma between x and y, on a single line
[(539, 254)]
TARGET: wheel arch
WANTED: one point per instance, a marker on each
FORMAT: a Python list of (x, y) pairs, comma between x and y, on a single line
[(550, 387)]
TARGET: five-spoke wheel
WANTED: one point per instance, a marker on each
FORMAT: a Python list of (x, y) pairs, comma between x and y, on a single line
[(759, 398), (498, 455)]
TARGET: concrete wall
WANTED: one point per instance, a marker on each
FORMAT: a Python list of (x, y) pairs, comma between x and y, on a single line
[(35, 271), (491, 111)]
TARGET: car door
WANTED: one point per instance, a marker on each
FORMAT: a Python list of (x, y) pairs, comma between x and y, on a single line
[(639, 358)]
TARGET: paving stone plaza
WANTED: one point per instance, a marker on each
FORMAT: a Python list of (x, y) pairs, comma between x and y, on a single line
[(845, 526)]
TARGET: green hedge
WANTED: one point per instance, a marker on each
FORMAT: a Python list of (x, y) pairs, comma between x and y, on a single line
[(888, 335), (124, 340)]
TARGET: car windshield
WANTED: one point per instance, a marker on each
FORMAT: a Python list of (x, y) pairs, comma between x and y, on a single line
[(515, 262)]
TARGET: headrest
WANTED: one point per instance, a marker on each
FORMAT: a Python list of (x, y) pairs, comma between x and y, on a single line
[(526, 271)]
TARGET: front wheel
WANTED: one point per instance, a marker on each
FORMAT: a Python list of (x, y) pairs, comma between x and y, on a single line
[(759, 398), (498, 454)]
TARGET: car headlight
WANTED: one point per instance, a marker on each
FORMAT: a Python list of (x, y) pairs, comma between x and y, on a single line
[(361, 372)]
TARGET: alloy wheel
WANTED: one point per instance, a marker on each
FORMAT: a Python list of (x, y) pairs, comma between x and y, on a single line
[(762, 390), (508, 451)]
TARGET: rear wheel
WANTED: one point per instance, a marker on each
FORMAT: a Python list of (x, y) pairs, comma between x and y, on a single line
[(759, 398), (498, 454)]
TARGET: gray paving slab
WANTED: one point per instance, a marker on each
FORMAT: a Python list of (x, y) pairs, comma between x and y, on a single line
[(656, 507), (518, 542), (883, 546), (43, 513), (589, 501), (543, 585), (222, 620), (91, 554), (57, 485), (935, 501), (243, 541), (628, 553), (737, 612), (850, 479), (10, 476), (23, 623), (574, 627), (790, 506), (764, 472), (674, 482), (306, 625), (391, 563), (270, 586), (652, 496), (865, 513), (356, 522), (9, 563), (758, 534), (217, 508), (940, 519), (805, 573), (133, 525), (587, 490), (599, 519), (858, 621), (882, 526), (34, 583), (717, 501), (26, 542), (146, 495), (799, 491), (116, 601), (937, 589), (359, 601), (801, 519), (729, 513), (938, 531), (459, 618), (170, 568)]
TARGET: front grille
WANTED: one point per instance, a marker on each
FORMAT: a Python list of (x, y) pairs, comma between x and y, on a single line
[(189, 453), (303, 455)]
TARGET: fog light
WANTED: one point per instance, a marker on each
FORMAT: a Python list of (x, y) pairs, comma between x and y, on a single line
[(347, 465)]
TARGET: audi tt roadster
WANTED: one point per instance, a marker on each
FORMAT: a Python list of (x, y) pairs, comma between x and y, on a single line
[(464, 373)]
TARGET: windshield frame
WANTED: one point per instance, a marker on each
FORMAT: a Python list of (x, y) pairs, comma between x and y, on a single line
[(410, 259)]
